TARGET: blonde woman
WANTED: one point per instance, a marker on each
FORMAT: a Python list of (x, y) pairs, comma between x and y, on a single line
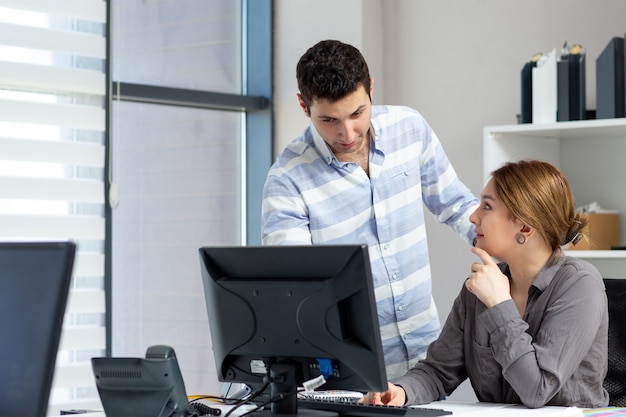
[(531, 329)]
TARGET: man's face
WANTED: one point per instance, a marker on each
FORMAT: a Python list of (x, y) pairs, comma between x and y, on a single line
[(343, 124)]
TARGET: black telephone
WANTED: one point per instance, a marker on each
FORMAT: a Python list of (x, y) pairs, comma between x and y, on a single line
[(145, 387)]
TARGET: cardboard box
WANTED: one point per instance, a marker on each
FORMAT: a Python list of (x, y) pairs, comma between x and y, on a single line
[(600, 233)]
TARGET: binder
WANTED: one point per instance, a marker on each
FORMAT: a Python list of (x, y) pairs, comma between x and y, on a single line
[(526, 112), (610, 81), (545, 89), (571, 86)]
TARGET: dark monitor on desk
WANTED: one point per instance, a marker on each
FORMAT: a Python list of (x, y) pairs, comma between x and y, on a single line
[(34, 284), (287, 314)]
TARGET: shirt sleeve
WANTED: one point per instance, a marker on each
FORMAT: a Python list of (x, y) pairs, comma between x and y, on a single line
[(445, 195), (537, 368), (443, 370), (285, 218)]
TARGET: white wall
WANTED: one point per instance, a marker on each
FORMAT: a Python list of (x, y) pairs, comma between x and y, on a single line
[(299, 24), (459, 62), (456, 61)]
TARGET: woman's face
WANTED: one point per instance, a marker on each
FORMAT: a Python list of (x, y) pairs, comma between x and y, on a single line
[(496, 229)]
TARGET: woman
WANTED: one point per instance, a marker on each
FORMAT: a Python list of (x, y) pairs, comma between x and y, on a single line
[(531, 329)]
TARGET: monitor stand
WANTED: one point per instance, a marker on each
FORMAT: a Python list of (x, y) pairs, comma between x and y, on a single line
[(284, 382)]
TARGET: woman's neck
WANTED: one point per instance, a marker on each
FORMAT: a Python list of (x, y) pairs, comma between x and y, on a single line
[(526, 266)]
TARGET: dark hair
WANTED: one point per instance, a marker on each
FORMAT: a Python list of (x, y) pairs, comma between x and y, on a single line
[(331, 70), (538, 194)]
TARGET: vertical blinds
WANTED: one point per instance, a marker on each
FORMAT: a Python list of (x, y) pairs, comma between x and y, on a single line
[(53, 59)]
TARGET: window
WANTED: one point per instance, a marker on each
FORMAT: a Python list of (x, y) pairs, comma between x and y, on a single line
[(186, 140), (188, 171), (52, 151)]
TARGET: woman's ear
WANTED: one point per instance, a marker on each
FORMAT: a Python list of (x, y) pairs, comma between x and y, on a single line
[(526, 230)]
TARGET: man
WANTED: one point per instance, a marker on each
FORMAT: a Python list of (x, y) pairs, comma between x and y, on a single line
[(362, 174)]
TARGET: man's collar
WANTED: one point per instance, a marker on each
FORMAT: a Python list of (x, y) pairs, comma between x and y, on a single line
[(322, 146), (324, 149)]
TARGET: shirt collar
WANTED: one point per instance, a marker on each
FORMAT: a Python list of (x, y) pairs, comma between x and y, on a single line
[(549, 270), (324, 149), (322, 146)]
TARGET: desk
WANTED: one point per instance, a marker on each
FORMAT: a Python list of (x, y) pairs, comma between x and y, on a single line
[(222, 407), (504, 410), (459, 409)]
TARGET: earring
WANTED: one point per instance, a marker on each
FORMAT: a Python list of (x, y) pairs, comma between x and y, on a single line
[(520, 238)]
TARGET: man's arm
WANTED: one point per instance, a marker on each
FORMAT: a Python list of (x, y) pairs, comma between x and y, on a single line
[(285, 219)]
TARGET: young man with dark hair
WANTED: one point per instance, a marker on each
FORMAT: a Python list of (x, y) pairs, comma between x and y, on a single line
[(362, 174)]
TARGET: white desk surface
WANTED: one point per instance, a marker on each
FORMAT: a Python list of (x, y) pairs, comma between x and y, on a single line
[(504, 410), (461, 409)]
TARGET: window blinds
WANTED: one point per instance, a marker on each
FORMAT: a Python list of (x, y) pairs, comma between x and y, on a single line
[(53, 58)]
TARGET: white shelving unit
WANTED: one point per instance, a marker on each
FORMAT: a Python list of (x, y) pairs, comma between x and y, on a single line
[(591, 153)]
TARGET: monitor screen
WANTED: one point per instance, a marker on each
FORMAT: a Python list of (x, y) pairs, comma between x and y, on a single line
[(292, 313), (34, 283)]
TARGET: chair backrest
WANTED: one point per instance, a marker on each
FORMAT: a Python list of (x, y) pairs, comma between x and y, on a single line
[(615, 382)]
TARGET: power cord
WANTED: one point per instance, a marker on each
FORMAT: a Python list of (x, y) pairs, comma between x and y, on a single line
[(249, 400), (275, 398), (204, 410)]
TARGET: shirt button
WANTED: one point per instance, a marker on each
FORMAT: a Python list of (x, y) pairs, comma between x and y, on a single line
[(386, 247), (394, 276), (400, 308)]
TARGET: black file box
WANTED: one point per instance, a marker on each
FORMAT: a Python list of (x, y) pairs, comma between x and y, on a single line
[(571, 87), (610, 82)]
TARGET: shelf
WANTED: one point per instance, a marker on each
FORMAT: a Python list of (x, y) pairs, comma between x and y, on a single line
[(574, 129), (591, 154), (597, 254)]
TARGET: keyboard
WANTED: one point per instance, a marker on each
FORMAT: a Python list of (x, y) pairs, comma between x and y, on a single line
[(351, 408)]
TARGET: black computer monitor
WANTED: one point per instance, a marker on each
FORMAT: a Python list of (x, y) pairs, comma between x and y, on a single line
[(34, 283), (286, 314)]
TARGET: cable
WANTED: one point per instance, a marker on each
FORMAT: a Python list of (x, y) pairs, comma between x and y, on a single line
[(249, 399), (204, 409), (271, 400)]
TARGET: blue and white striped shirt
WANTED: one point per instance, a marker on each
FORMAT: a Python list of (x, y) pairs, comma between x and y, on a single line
[(312, 198)]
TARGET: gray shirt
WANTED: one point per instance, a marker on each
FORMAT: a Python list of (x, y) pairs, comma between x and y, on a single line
[(555, 355)]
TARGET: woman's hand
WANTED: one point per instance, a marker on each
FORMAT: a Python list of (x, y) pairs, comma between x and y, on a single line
[(486, 281), (394, 395)]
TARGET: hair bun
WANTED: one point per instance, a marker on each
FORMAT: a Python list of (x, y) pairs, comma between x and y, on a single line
[(573, 235)]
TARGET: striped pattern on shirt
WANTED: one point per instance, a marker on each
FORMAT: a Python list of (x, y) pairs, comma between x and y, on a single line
[(311, 198)]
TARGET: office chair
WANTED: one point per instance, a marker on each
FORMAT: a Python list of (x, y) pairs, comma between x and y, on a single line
[(615, 382)]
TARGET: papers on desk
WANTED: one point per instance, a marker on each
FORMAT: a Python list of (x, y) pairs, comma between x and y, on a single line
[(505, 410)]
